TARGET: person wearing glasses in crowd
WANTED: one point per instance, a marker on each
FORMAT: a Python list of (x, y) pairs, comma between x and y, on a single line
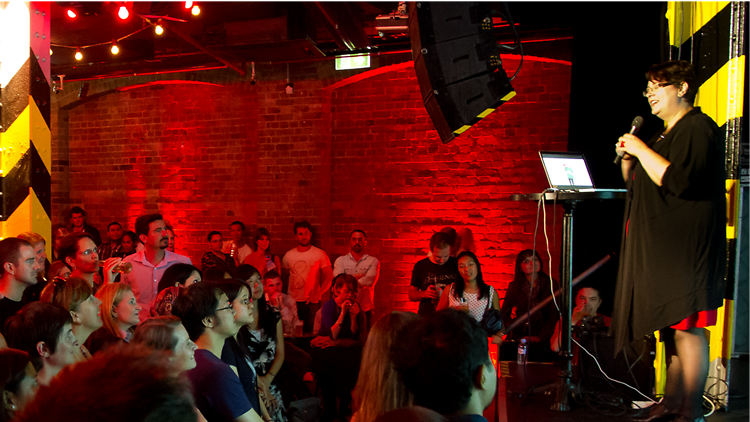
[(80, 253)]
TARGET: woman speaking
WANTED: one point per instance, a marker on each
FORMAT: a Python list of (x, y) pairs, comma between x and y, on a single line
[(671, 276)]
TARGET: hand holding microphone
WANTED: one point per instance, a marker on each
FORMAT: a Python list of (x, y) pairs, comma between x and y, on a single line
[(620, 147)]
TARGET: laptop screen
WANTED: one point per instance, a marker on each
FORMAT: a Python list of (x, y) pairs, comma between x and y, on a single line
[(566, 170)]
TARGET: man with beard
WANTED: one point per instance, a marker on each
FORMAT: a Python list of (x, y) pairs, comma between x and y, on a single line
[(18, 270), (150, 263), (302, 268), (365, 268)]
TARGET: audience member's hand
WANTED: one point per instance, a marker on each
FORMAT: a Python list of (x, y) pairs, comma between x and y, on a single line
[(497, 339), (431, 293), (579, 312), (268, 399), (109, 264), (322, 342), (354, 309)]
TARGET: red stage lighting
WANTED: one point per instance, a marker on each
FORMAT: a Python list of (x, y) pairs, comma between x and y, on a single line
[(195, 10), (71, 13), (188, 4)]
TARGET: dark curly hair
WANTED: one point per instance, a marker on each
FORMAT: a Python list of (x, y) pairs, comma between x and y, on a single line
[(675, 72)]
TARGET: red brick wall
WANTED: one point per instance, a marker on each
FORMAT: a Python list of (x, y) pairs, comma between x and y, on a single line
[(342, 153)]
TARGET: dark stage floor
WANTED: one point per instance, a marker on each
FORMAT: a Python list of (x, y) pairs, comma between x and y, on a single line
[(536, 406)]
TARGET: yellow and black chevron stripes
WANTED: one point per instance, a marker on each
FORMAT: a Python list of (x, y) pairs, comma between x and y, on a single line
[(25, 138)]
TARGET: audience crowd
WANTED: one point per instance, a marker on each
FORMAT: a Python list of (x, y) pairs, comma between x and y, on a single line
[(128, 329)]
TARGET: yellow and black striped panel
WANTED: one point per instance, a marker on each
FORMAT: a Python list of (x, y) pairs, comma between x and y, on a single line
[(25, 139), (485, 113)]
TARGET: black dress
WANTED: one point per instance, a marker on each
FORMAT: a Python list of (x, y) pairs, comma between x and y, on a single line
[(674, 240)]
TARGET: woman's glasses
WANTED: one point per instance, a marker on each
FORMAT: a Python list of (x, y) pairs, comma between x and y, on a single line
[(655, 87)]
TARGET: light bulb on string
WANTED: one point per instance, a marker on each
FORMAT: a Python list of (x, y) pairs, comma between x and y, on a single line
[(115, 49), (78, 56), (195, 10), (71, 14), (158, 29), (123, 13)]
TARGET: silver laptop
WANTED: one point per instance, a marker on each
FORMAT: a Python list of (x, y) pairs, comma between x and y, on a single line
[(568, 171)]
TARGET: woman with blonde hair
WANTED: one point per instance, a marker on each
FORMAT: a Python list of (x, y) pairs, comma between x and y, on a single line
[(75, 296), (379, 388), (119, 312)]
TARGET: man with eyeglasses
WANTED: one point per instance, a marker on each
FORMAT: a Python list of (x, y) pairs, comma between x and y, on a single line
[(19, 270), (79, 252), (150, 263), (208, 317)]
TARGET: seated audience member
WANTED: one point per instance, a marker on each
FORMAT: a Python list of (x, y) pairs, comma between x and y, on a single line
[(150, 263), (529, 287), (17, 382), (379, 388), (122, 384), (263, 338), (18, 271), (80, 253), (119, 313), (78, 225), (365, 268), (444, 361), (430, 275), (171, 237), (208, 317), (31, 294), (233, 353), (237, 247), (58, 269), (176, 277), (130, 243), (45, 332), (113, 246), (470, 293), (75, 296), (168, 334), (282, 302), (338, 347), (262, 258), (585, 315), (215, 257)]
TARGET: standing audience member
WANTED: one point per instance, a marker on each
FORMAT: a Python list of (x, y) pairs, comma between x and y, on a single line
[(379, 388), (470, 293), (282, 302), (263, 338), (208, 317), (365, 268), (18, 272), (215, 257), (237, 247), (308, 273), (58, 232), (149, 265), (167, 333), (119, 313), (75, 296), (124, 384), (430, 275), (262, 258), (445, 363), (113, 246), (529, 287), (78, 225), (81, 255), (45, 332), (338, 348), (18, 382), (130, 243), (176, 277)]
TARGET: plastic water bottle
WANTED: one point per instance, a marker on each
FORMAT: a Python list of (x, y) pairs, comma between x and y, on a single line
[(522, 352)]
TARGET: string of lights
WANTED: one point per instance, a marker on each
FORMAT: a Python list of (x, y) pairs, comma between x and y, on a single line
[(123, 13)]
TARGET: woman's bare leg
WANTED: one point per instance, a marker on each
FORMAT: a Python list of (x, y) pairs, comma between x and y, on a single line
[(692, 351)]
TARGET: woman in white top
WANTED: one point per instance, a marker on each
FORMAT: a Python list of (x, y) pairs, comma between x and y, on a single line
[(470, 293)]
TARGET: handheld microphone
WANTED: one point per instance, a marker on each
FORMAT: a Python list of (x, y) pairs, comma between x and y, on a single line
[(634, 128)]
